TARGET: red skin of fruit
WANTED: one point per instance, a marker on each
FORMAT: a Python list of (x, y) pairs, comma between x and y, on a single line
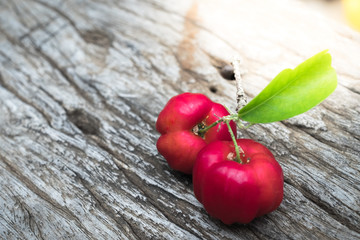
[(178, 143), (234, 192)]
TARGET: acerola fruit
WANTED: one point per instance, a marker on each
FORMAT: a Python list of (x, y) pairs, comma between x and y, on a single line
[(179, 123), (235, 192)]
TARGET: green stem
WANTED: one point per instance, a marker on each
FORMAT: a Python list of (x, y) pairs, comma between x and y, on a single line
[(227, 119), (237, 149), (205, 129)]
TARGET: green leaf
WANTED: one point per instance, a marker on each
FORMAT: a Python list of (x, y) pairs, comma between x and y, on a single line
[(293, 92)]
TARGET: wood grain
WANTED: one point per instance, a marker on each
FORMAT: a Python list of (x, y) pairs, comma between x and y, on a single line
[(82, 83)]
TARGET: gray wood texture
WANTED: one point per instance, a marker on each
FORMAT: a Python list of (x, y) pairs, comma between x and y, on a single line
[(82, 83)]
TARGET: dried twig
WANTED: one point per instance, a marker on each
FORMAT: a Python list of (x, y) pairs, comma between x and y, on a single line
[(241, 98)]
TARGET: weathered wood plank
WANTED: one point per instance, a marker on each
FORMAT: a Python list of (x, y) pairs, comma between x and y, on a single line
[(82, 82)]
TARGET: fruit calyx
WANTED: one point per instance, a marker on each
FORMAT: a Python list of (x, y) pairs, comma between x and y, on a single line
[(198, 129), (232, 157)]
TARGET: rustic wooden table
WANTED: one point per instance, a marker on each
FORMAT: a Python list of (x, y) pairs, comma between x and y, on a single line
[(82, 83)]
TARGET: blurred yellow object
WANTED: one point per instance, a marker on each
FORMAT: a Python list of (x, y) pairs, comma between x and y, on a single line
[(352, 12)]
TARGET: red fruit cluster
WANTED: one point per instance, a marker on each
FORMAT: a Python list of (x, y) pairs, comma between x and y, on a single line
[(229, 190)]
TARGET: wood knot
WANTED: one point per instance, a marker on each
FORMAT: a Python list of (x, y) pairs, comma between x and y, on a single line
[(86, 122), (213, 89), (227, 72), (97, 37)]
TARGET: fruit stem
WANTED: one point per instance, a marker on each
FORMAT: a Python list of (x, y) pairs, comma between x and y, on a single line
[(226, 119), (237, 148), (205, 129)]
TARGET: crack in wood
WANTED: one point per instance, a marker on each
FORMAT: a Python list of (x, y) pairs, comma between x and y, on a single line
[(40, 193), (66, 76), (323, 206), (96, 36), (106, 209), (60, 13), (153, 202), (32, 223), (38, 26), (325, 164), (146, 193), (24, 100)]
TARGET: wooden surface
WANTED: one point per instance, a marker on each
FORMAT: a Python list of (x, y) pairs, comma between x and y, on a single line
[(82, 83)]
